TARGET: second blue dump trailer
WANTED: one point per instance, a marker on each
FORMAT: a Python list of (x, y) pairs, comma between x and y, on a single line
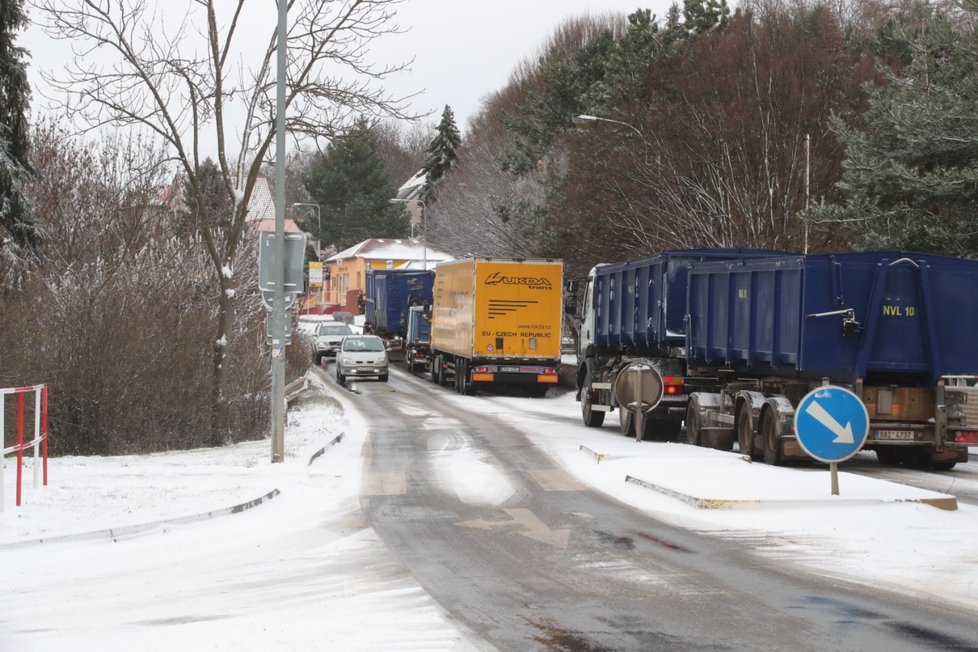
[(632, 335), (417, 341), (897, 328), (389, 295)]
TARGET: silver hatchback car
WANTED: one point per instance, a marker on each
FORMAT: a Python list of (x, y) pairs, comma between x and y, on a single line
[(361, 355)]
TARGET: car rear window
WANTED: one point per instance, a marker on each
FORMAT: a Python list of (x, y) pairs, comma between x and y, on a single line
[(334, 329), (372, 344)]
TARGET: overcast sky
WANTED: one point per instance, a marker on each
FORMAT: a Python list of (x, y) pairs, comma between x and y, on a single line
[(467, 49), (463, 49)]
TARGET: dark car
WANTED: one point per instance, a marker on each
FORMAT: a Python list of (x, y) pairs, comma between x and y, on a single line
[(361, 355), (329, 334)]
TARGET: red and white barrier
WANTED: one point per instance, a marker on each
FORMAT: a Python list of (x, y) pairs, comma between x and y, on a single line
[(40, 441)]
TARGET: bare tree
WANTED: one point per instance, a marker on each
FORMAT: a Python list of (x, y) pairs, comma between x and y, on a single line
[(202, 76)]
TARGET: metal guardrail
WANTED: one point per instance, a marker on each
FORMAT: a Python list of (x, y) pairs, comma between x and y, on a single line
[(39, 443)]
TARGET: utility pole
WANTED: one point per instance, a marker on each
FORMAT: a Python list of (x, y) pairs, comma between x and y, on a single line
[(278, 273)]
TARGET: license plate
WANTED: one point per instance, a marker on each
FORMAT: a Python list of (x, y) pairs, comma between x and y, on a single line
[(895, 434), (510, 369)]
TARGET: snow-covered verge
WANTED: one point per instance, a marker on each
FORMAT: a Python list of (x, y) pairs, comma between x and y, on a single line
[(299, 572)]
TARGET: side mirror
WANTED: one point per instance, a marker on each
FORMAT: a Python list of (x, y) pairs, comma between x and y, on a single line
[(570, 286), (570, 306)]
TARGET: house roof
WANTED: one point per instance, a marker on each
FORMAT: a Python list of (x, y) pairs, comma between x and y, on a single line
[(411, 187), (392, 249), (261, 205)]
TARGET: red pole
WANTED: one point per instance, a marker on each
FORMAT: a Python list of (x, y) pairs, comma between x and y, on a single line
[(44, 430), (20, 442)]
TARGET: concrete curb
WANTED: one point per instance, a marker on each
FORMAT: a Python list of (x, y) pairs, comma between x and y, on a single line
[(947, 503), (337, 439), (131, 530)]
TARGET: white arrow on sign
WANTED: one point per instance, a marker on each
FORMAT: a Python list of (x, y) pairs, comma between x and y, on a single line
[(820, 414)]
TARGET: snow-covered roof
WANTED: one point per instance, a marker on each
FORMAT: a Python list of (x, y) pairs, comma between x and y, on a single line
[(261, 206), (411, 187), (392, 249)]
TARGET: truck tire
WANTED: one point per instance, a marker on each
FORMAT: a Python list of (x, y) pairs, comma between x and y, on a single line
[(768, 431), (626, 422), (693, 434), (745, 430), (591, 418), (436, 370)]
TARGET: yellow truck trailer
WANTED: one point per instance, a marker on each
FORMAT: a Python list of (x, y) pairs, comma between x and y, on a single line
[(497, 321)]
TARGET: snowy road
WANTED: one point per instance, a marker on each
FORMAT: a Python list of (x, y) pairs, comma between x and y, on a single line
[(525, 555)]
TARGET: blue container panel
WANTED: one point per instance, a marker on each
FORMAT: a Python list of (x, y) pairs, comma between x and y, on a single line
[(915, 314), (394, 291), (419, 331), (641, 304)]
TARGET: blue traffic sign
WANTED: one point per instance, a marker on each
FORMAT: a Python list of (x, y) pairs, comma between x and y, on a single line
[(831, 423)]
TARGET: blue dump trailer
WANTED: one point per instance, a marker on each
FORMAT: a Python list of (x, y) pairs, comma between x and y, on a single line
[(897, 328), (389, 293), (417, 342), (632, 337)]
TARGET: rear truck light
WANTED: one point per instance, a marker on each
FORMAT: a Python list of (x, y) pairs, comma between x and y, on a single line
[(672, 385), (482, 377), (548, 376), (966, 437), (482, 370)]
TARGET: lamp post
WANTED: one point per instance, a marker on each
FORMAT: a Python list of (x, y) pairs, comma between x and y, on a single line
[(319, 228), (424, 226), (597, 118)]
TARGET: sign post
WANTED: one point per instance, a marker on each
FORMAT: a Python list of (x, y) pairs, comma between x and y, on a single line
[(831, 424)]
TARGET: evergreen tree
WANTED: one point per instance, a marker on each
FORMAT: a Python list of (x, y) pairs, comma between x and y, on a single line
[(353, 188), (702, 16), (20, 237), (219, 207), (441, 155), (910, 176)]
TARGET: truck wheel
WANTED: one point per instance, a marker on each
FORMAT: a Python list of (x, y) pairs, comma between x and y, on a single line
[(769, 434), (745, 433), (693, 435), (626, 422), (436, 370), (592, 418)]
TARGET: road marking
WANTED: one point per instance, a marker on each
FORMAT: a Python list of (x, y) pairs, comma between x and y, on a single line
[(387, 483), (555, 480), (843, 435), (533, 527)]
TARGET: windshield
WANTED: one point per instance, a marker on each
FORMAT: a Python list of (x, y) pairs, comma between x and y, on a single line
[(334, 329), (373, 344)]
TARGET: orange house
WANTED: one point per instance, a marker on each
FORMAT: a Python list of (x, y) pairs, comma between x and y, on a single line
[(346, 271)]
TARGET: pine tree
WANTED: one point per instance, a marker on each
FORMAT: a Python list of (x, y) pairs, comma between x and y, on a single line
[(20, 237), (441, 154), (910, 175), (353, 188)]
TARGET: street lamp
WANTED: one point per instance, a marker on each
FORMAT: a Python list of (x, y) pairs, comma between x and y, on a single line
[(595, 118), (424, 225), (319, 228)]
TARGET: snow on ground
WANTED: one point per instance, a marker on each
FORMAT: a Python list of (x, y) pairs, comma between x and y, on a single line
[(875, 532), (301, 571)]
